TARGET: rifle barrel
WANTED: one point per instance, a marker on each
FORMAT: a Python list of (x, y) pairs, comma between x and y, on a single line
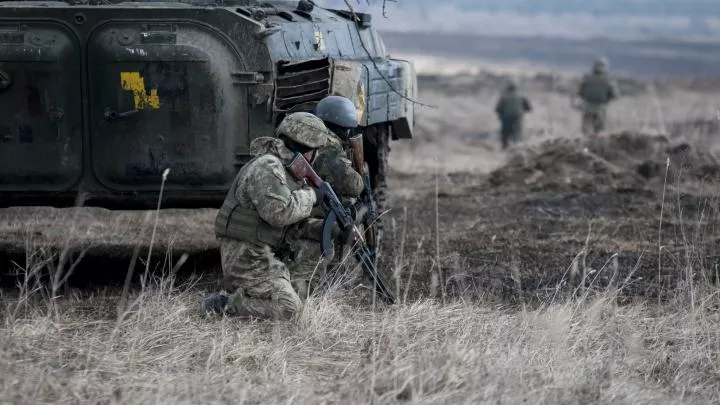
[(380, 288)]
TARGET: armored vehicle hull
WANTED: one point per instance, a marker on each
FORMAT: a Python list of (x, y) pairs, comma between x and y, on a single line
[(97, 101)]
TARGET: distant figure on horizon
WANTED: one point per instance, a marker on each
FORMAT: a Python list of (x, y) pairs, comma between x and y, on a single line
[(511, 109), (597, 89)]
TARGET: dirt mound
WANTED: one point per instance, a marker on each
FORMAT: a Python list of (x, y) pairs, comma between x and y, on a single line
[(621, 162)]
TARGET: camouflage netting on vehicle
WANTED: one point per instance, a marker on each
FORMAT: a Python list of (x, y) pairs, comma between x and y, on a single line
[(623, 162)]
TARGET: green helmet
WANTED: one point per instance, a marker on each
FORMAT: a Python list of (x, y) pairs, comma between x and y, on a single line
[(600, 65), (303, 128)]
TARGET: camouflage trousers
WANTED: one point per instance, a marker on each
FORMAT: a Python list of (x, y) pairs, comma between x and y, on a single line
[(593, 121), (257, 282), (308, 267), (262, 286), (510, 131)]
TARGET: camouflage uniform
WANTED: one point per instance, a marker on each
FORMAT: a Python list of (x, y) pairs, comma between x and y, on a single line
[(511, 108), (258, 226), (333, 166), (596, 91), (341, 117)]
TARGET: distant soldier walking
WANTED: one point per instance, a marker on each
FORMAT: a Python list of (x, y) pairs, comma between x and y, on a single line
[(596, 91), (511, 109)]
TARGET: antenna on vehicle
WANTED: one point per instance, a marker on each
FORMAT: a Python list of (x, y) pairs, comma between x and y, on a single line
[(356, 22)]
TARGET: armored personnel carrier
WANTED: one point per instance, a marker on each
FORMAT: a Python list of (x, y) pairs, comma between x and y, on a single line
[(98, 98)]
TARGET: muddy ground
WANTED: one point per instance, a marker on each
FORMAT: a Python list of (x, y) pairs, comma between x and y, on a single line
[(566, 215)]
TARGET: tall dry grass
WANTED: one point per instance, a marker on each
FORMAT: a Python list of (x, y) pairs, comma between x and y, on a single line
[(161, 351)]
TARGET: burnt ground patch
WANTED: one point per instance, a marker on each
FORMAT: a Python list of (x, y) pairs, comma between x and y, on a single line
[(581, 222)]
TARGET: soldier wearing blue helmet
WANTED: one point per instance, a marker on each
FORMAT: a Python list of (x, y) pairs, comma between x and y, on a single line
[(339, 115)]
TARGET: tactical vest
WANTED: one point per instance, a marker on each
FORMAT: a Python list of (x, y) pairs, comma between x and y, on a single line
[(511, 107), (245, 224), (596, 90)]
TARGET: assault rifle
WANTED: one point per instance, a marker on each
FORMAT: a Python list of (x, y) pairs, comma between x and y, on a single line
[(301, 169), (369, 216)]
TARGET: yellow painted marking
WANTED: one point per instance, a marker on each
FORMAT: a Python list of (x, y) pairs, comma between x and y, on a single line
[(320, 41), (360, 105), (132, 81)]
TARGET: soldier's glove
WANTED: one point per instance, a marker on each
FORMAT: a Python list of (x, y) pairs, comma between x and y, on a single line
[(319, 196), (345, 236)]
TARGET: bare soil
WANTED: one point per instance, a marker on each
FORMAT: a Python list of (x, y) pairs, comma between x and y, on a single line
[(570, 275), (624, 209)]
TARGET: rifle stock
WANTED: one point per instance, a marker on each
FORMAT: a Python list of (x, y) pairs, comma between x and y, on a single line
[(358, 155), (356, 144), (370, 238), (302, 170)]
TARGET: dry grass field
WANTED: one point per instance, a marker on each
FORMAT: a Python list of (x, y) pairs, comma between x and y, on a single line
[(564, 271), (76, 349)]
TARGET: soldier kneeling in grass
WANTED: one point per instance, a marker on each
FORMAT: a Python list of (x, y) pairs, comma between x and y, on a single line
[(260, 220)]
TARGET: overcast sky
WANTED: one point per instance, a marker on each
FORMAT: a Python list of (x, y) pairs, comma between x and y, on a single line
[(554, 18)]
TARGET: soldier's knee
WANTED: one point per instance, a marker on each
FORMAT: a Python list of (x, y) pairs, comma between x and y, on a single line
[(288, 304), (273, 299)]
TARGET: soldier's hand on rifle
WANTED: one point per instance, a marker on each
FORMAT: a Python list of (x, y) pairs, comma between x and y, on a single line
[(346, 236), (319, 195), (348, 202)]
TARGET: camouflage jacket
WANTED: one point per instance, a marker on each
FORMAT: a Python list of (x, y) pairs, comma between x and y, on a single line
[(264, 198), (332, 165), (271, 189), (512, 106), (597, 90)]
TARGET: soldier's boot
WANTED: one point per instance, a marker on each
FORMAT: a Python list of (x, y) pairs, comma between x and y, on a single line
[(214, 303), (504, 141)]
